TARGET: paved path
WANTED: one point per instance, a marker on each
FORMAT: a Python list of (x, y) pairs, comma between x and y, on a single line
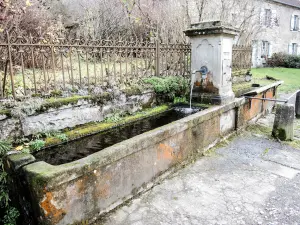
[(252, 180)]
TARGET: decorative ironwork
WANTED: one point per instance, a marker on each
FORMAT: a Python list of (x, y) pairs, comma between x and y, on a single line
[(39, 64), (241, 58)]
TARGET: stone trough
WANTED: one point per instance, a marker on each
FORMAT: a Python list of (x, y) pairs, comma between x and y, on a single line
[(85, 189)]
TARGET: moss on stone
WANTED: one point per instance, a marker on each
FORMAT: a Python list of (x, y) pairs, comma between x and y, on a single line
[(58, 102), (134, 90), (201, 105), (5, 112), (56, 93), (102, 98), (93, 128)]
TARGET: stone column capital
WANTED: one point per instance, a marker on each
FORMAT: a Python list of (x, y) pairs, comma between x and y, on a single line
[(211, 28)]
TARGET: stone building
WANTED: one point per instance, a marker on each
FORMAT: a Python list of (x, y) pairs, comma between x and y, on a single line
[(281, 31), (273, 25)]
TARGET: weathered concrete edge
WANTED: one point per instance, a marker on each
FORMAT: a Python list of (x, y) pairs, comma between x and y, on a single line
[(264, 88)]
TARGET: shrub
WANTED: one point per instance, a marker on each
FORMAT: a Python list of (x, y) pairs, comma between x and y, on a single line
[(169, 86), (284, 60)]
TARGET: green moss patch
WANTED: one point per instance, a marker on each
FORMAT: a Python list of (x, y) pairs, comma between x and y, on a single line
[(5, 112), (134, 90), (59, 102), (294, 144), (258, 129), (93, 128)]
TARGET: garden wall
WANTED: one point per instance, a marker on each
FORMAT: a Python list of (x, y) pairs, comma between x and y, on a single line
[(68, 113), (85, 189)]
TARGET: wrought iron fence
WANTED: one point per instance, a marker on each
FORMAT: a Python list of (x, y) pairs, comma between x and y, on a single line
[(241, 58), (39, 65)]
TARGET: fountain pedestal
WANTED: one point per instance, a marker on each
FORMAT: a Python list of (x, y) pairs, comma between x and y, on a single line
[(212, 48)]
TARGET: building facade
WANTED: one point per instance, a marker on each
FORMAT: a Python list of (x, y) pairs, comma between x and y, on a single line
[(280, 30), (270, 26)]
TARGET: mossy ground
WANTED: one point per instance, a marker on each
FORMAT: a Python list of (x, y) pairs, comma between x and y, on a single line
[(260, 130), (267, 132)]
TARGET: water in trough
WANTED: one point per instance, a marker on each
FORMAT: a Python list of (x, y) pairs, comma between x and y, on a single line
[(78, 149)]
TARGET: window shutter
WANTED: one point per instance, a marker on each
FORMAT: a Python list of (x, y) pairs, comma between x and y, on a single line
[(290, 49), (270, 50), (274, 20), (292, 22), (262, 16)]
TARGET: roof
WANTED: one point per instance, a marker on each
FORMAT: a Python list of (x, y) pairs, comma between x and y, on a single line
[(293, 3)]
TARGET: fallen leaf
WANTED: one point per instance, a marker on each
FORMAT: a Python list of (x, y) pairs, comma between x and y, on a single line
[(19, 148)]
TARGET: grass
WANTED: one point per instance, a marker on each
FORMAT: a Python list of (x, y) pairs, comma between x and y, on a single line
[(290, 76), (241, 88)]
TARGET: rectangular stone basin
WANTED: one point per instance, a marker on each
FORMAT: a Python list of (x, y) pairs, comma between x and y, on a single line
[(80, 191)]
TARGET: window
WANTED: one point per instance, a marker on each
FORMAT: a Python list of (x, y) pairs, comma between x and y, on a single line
[(295, 23), (265, 50), (294, 48), (268, 17)]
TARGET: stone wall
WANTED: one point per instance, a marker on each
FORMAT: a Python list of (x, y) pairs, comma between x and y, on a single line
[(70, 115), (279, 36), (85, 189)]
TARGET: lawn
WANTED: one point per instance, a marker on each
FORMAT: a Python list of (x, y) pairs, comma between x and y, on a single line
[(291, 77)]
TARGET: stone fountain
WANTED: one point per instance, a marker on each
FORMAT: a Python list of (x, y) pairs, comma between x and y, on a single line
[(211, 62)]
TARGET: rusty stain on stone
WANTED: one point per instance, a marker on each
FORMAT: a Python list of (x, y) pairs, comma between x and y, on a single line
[(102, 189), (81, 185), (51, 211), (165, 152)]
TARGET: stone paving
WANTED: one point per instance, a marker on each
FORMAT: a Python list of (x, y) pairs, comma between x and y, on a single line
[(251, 180)]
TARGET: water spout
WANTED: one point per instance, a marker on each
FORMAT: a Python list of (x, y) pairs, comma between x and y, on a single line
[(192, 86)]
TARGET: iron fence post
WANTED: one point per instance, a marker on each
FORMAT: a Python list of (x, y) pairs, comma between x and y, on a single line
[(11, 71), (53, 66), (157, 54), (33, 64)]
